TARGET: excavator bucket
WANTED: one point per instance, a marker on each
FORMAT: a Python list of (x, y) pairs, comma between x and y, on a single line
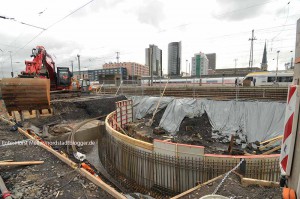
[(29, 94)]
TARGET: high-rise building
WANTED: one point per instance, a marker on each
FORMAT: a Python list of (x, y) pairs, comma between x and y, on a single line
[(212, 61), (153, 56), (174, 58), (199, 65)]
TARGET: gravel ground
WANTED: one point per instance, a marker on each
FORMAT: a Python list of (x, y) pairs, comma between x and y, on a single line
[(233, 188), (52, 179)]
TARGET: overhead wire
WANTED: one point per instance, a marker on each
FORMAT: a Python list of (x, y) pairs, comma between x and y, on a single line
[(53, 24), (56, 23)]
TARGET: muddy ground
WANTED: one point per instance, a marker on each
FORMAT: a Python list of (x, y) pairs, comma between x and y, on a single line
[(232, 188), (52, 179)]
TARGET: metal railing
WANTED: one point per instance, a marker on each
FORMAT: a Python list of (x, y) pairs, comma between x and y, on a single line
[(196, 91)]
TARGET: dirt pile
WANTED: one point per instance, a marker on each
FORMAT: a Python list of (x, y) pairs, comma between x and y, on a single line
[(66, 111)]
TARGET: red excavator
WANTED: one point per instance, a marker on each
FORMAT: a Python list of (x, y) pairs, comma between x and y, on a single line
[(31, 90)]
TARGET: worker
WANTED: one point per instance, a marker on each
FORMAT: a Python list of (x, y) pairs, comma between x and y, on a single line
[(236, 82), (254, 81)]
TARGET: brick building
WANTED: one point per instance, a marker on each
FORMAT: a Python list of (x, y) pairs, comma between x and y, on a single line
[(133, 69)]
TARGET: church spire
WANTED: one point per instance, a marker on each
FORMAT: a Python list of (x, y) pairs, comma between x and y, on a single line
[(264, 62)]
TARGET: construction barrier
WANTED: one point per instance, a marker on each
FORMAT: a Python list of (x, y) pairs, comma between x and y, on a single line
[(172, 168)]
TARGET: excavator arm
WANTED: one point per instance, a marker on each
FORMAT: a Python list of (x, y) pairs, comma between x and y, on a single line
[(31, 90)]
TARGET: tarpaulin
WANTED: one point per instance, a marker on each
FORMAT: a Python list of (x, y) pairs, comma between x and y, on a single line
[(257, 120), (146, 105)]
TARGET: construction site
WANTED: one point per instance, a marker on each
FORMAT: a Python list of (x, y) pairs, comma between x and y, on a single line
[(132, 142), (143, 146), (216, 137)]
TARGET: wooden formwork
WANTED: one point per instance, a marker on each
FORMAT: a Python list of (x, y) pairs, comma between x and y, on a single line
[(142, 163)]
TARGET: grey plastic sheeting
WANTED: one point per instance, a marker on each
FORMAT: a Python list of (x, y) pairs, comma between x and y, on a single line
[(143, 106), (257, 120)]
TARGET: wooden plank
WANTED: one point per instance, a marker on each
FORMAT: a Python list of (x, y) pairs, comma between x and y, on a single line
[(196, 187), (275, 138), (270, 143), (249, 181), (24, 163), (6, 160), (272, 150), (125, 138)]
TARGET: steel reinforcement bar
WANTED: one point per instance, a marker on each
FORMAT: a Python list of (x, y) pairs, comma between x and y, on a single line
[(138, 163), (261, 93)]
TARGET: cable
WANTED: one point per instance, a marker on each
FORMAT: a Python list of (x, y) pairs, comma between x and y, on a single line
[(69, 14), (288, 7), (13, 19), (55, 24)]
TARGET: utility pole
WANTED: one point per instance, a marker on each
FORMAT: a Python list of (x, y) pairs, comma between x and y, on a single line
[(277, 64), (251, 50), (12, 70), (78, 56), (121, 72), (186, 71), (235, 60), (72, 65), (118, 56), (291, 66)]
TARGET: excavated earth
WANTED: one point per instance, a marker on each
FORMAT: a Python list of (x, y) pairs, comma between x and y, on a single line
[(194, 131), (77, 110)]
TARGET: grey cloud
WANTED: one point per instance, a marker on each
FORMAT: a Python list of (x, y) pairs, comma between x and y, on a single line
[(96, 6), (235, 10), (151, 13)]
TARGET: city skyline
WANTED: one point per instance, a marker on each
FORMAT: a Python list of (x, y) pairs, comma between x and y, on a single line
[(97, 30)]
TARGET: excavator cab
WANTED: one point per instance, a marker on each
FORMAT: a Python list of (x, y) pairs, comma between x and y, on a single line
[(63, 78)]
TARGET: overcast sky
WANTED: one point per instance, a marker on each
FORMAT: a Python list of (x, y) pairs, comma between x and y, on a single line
[(103, 27)]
